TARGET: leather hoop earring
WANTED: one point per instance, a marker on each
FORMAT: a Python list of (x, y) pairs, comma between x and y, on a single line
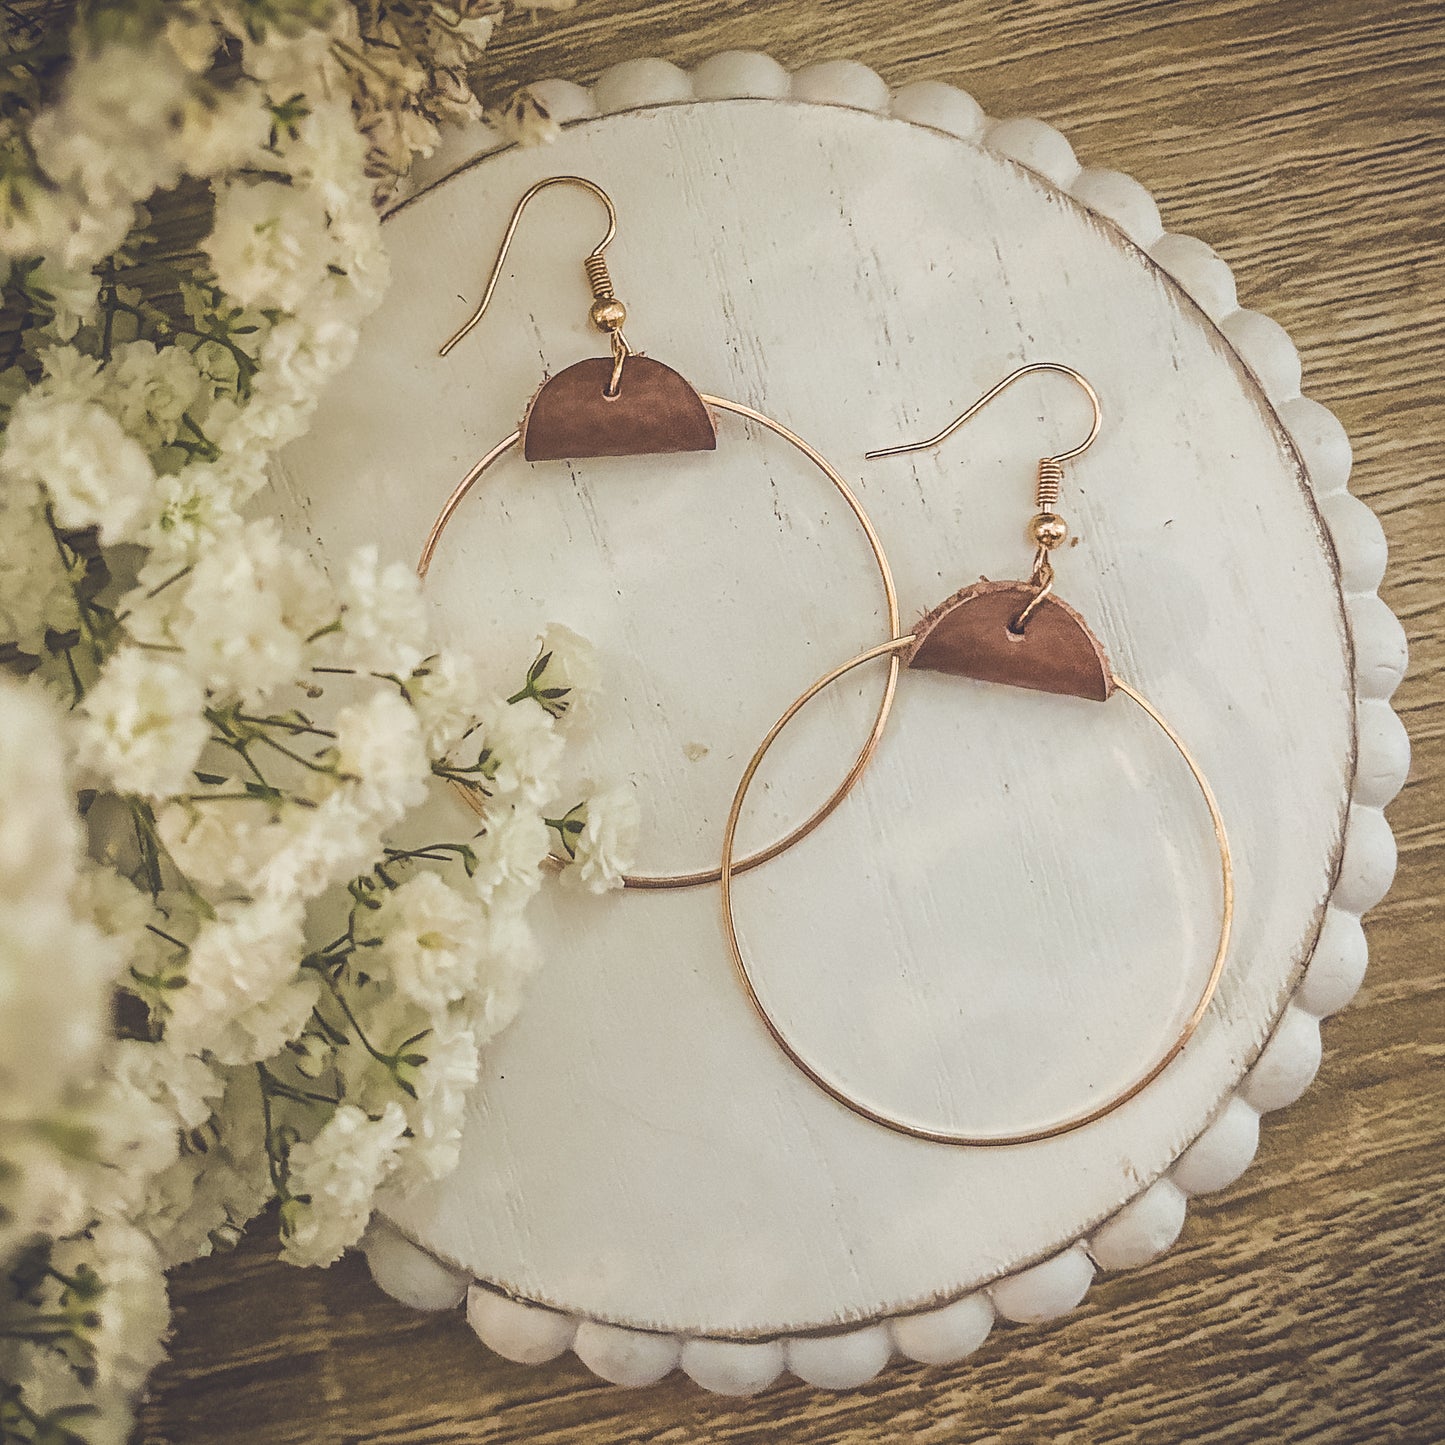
[(1020, 635), (630, 405)]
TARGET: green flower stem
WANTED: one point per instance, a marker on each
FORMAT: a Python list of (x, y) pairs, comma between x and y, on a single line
[(309, 763), (327, 631), (109, 302), (243, 751), (169, 938), (84, 607), (159, 588), (336, 993), (568, 827), (471, 776), (432, 853), (274, 1165), (203, 444), (281, 1090), (42, 1328), (76, 686), (148, 841), (246, 364), (286, 724), (153, 851)]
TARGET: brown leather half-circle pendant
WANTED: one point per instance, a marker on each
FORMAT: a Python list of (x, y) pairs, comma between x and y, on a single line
[(655, 410), (971, 635)]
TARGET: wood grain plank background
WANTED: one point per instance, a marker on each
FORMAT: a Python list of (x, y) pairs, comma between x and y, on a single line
[(1305, 140)]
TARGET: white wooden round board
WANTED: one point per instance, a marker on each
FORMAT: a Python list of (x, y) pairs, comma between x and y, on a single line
[(1016, 908)]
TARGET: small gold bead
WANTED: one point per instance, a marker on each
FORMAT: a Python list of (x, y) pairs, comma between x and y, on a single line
[(608, 314), (1048, 529)]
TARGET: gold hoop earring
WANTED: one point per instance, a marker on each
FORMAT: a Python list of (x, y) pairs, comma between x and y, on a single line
[(1017, 634), (627, 404)]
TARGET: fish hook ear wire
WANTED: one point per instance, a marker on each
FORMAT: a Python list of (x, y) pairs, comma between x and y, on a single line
[(1047, 528), (607, 313)]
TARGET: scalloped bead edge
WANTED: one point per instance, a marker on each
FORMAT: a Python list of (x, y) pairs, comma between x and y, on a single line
[(1150, 1223)]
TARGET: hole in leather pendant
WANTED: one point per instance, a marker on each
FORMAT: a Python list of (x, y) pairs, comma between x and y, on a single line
[(654, 410), (975, 634)]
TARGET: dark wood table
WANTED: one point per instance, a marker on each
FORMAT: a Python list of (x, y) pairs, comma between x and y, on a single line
[(1305, 140)]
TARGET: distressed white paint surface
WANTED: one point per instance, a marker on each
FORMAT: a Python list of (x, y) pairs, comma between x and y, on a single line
[(1014, 910)]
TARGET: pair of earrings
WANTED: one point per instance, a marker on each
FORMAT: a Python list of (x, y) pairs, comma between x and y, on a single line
[(1015, 633)]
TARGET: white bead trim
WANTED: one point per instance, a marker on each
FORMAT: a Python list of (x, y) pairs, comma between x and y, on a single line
[(1145, 1227)]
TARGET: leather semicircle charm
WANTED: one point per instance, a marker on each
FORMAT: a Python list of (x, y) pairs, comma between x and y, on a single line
[(655, 410), (972, 635)]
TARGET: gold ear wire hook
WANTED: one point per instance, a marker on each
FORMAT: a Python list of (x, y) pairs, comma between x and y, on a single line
[(607, 313), (988, 396), (1047, 529)]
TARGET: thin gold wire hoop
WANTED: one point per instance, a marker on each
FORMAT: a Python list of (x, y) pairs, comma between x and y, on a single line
[(659, 882), (1050, 476), (893, 648)]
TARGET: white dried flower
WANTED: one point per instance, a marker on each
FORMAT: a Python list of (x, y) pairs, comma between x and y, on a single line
[(70, 375), (151, 1094), (131, 1308), (269, 243), (443, 1085), (525, 120), (245, 615), (51, 1384), (380, 751), (564, 676), (39, 835), (307, 849), (95, 474), (448, 698), (235, 966), (150, 389), (523, 749), (194, 509), (287, 62), (509, 851), (432, 940), (73, 292), (211, 844), (383, 621), (512, 958), (182, 1087), (35, 589), (299, 852), (143, 730), (222, 131), (263, 1030), (161, 445), (301, 354), (205, 1197), (57, 971), (108, 142), (605, 845), (337, 1174)]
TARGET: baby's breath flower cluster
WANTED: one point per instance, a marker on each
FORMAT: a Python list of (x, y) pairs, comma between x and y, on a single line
[(237, 964)]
